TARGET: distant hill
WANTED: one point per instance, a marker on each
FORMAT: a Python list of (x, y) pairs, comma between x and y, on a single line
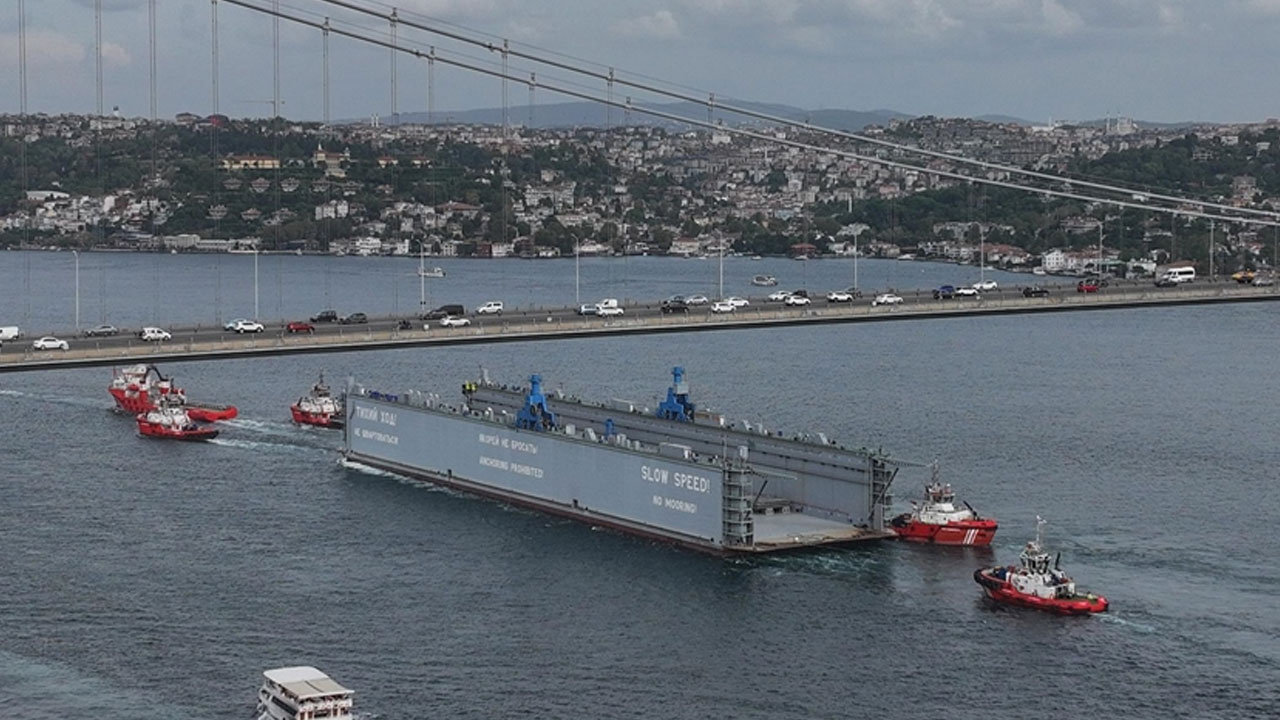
[(588, 114)]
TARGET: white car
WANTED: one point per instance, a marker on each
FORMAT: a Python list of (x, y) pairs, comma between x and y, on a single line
[(985, 285), (966, 292), (887, 299), (696, 300), (796, 300), (151, 334), (493, 307), (722, 306), (588, 309), (452, 321), (244, 326), (49, 342), (608, 310), (779, 295), (839, 296), (737, 302)]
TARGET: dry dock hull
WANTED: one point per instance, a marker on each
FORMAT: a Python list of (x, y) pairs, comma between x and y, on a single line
[(829, 535), (677, 497)]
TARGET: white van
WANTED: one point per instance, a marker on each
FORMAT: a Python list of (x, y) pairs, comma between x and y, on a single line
[(10, 332), (152, 334), (1183, 274)]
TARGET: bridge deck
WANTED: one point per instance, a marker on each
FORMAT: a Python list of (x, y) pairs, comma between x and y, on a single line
[(211, 344)]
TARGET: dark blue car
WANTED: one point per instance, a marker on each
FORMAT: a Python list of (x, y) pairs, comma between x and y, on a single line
[(946, 292)]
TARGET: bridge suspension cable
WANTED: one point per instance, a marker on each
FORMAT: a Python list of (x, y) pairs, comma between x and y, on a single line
[(610, 77), (628, 105)]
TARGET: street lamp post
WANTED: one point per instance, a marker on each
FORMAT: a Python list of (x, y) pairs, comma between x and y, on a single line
[(255, 283), (577, 297), (721, 295), (855, 263), (76, 253)]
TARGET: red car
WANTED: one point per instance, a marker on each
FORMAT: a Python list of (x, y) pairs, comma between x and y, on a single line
[(299, 326), (1087, 286)]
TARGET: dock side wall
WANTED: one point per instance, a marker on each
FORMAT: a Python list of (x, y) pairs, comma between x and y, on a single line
[(658, 492)]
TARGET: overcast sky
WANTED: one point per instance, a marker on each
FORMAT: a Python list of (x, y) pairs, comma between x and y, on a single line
[(1161, 60)]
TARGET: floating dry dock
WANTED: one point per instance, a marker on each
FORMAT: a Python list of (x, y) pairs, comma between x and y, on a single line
[(670, 473)]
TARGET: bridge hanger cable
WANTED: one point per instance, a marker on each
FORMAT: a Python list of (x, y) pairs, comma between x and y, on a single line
[(628, 105), (610, 76)]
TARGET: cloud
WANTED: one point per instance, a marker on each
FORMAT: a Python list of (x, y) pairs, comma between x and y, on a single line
[(661, 25), (115, 56), (45, 49), (1058, 20)]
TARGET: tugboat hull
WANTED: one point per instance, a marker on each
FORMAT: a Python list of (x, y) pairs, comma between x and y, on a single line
[(1002, 591), (211, 413), (140, 402), (154, 430), (324, 420), (976, 533)]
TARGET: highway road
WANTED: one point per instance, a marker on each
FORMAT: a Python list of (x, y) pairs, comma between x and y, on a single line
[(190, 342)]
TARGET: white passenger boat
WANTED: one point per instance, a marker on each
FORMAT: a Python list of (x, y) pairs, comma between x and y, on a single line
[(431, 272), (764, 280), (302, 693)]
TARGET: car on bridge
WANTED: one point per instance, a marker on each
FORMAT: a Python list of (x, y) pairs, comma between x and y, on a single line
[(356, 318), (982, 285), (697, 300), (493, 307), (967, 292), (796, 300), (244, 326), (325, 316), (674, 305), (1244, 277), (839, 296), (887, 299), (944, 292), (49, 342), (588, 309), (608, 310), (778, 295), (451, 321), (738, 302), (102, 331), (723, 306), (1035, 291), (298, 326), (444, 311), (1087, 286), (154, 334), (1263, 280)]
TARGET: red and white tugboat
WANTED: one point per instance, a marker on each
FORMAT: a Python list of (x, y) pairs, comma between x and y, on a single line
[(138, 389), (170, 420), (1034, 584), (320, 408), (939, 521)]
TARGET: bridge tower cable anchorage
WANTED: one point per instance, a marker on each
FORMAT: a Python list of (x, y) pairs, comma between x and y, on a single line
[(745, 111), (1047, 192)]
